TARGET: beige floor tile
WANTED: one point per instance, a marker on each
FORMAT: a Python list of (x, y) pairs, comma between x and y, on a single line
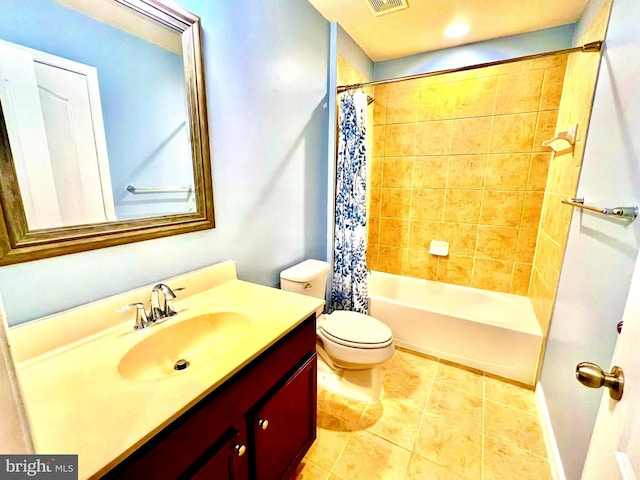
[(510, 395), (422, 469), (341, 407), (447, 401), (333, 433), (409, 379), (459, 378), (514, 427), (369, 456), (451, 443), (502, 461), (308, 471), (393, 421)]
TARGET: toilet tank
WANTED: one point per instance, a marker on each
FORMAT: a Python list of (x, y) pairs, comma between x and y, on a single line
[(307, 278)]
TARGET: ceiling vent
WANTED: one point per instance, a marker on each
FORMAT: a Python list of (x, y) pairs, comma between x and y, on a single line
[(382, 7)]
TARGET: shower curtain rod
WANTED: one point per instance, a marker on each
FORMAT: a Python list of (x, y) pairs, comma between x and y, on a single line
[(587, 47)]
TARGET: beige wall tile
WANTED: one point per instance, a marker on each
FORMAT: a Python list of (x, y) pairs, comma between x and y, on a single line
[(422, 232), (546, 62), (380, 106), (432, 138), (504, 69), (508, 171), (397, 172), (545, 129), (375, 201), (372, 256), (430, 172), (526, 247), (455, 269), (402, 105), (394, 232), (542, 300), (539, 171), (462, 206), (549, 261), (373, 230), (375, 169), (399, 140), (520, 278), (396, 202), (427, 204), (378, 141), (467, 171), (390, 259), (470, 135), (532, 209), (492, 275), (475, 98), (552, 88), (462, 238), (556, 218), (513, 133), (519, 92), (436, 102), (498, 243), (420, 264), (502, 208)]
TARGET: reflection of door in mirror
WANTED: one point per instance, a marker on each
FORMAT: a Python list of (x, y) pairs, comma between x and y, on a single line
[(54, 121)]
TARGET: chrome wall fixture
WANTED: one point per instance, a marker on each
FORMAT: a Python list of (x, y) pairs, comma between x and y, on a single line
[(132, 189), (628, 213)]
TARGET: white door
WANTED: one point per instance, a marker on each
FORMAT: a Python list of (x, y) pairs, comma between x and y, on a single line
[(614, 451), (63, 98)]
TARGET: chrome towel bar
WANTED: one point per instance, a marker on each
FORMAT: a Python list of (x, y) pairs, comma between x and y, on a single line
[(629, 213), (133, 189)]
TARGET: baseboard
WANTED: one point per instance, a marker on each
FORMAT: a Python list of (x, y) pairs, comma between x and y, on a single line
[(553, 454)]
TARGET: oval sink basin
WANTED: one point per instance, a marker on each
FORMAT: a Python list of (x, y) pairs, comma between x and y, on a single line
[(197, 341)]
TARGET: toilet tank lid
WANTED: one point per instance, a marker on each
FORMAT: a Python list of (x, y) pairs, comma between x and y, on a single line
[(305, 271)]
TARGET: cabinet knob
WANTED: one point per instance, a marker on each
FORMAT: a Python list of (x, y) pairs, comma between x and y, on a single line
[(240, 450), (263, 424)]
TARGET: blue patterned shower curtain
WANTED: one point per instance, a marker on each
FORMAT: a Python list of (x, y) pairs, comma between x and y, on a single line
[(349, 285)]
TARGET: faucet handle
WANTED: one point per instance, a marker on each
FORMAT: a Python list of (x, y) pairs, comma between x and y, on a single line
[(142, 320)]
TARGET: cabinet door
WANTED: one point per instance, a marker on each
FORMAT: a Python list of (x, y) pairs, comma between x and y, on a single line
[(229, 461), (285, 425)]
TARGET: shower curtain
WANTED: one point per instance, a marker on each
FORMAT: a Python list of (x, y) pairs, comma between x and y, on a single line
[(349, 285)]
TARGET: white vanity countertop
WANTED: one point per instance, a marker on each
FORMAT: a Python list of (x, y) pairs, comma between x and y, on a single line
[(78, 403)]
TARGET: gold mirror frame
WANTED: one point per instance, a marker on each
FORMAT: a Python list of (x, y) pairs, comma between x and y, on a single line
[(19, 244)]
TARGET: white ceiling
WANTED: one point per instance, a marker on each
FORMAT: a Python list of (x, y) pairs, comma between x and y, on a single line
[(420, 27)]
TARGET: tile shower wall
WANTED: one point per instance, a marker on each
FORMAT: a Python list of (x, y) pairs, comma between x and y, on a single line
[(575, 108), (458, 157)]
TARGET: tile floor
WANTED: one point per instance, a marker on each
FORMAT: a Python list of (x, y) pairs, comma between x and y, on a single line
[(435, 421)]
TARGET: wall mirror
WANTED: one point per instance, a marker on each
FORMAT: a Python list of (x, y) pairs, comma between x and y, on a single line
[(103, 125)]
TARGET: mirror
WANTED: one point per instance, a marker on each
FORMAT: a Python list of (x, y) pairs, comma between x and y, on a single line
[(103, 126)]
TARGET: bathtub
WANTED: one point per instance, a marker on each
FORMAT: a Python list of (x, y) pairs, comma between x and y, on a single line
[(493, 332)]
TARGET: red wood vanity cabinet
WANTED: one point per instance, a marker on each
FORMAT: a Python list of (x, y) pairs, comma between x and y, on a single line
[(258, 425)]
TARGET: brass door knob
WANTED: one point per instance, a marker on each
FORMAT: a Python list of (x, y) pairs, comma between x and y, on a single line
[(240, 450), (263, 424), (592, 376)]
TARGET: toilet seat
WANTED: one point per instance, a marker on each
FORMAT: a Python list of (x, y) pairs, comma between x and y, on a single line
[(355, 330)]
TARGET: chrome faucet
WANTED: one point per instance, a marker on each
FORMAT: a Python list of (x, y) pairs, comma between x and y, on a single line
[(157, 311)]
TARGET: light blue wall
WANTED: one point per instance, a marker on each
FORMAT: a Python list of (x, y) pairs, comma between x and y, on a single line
[(540, 41), (600, 252), (266, 72), (143, 103), (353, 53)]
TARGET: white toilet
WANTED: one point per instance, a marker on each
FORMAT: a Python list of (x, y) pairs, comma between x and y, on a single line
[(351, 346)]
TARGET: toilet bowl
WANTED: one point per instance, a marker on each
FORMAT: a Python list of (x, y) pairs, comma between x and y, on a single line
[(351, 346)]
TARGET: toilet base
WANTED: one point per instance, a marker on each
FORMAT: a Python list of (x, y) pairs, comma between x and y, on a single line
[(361, 385)]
